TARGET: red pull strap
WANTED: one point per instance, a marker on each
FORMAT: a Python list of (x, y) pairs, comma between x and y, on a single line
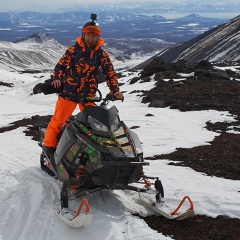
[(87, 210), (181, 203)]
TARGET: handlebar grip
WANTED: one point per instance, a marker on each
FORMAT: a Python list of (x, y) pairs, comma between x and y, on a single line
[(110, 97), (92, 99)]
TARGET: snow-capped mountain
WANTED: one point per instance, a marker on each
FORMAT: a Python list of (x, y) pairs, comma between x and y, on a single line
[(130, 30), (41, 52), (66, 27), (220, 44), (35, 52)]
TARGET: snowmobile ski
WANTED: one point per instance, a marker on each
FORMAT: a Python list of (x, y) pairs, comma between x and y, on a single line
[(162, 208), (71, 217)]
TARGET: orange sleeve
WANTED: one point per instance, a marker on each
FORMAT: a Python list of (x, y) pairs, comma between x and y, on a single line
[(64, 62), (109, 73)]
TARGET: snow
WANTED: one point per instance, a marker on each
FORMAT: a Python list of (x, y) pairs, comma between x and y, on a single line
[(26, 192)]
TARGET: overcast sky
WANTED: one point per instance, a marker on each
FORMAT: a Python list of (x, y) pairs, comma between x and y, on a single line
[(62, 5), (48, 5)]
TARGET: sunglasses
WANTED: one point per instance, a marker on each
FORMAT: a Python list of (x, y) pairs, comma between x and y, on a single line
[(92, 30)]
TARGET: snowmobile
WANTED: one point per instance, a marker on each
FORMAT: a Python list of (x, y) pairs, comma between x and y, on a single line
[(96, 151)]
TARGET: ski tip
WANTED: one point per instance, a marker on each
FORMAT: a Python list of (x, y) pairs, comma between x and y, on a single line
[(72, 218)]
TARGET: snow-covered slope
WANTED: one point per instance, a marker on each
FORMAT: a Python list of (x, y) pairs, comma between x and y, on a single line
[(220, 44), (26, 192), (36, 52)]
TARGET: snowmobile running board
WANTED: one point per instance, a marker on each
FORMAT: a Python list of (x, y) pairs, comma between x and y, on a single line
[(72, 218), (158, 207)]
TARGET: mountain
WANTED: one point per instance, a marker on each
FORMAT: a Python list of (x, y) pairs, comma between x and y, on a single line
[(40, 52), (35, 52), (220, 44), (66, 27), (127, 35)]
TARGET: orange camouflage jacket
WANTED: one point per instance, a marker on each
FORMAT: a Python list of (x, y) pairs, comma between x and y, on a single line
[(78, 69)]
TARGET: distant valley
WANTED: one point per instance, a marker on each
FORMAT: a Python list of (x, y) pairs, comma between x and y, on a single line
[(129, 34), (126, 34), (66, 27)]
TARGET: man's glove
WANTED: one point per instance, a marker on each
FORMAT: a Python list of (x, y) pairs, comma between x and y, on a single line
[(38, 88), (46, 88)]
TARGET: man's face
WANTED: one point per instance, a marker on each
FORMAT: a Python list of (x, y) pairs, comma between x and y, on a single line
[(91, 39)]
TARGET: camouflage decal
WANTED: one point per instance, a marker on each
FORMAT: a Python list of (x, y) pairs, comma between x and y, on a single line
[(93, 154), (98, 139), (63, 174), (123, 140), (109, 142), (112, 141), (72, 152), (119, 132), (129, 136)]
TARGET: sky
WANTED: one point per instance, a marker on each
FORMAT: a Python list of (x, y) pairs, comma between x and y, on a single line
[(62, 5), (27, 193), (15, 5)]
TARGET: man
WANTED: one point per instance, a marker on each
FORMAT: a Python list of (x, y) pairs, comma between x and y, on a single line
[(76, 74)]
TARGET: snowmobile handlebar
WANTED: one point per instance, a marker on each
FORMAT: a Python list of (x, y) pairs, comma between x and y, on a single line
[(109, 97)]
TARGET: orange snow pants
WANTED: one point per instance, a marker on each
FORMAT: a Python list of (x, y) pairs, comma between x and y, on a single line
[(63, 111)]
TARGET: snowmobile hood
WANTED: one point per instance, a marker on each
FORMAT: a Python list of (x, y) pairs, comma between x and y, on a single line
[(104, 115)]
